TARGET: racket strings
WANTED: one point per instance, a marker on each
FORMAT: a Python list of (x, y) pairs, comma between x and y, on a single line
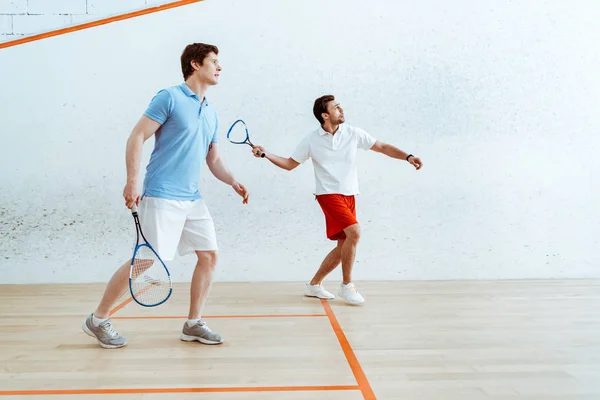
[(150, 281), (238, 134)]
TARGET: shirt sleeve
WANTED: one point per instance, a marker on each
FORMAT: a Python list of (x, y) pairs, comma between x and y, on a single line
[(302, 152), (364, 139), (161, 107)]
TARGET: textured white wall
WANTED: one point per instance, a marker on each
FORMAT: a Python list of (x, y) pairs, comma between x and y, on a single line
[(20, 18), (499, 99)]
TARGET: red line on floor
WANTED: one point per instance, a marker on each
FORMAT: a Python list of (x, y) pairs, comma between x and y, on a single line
[(357, 370), (177, 390), (221, 316), (123, 304)]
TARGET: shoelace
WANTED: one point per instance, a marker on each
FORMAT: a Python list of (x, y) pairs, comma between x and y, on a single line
[(203, 323), (109, 330), (352, 289)]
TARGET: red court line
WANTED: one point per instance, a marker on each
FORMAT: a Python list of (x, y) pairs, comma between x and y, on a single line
[(177, 390), (363, 384), (221, 316), (359, 374), (123, 304), (99, 22), (129, 300)]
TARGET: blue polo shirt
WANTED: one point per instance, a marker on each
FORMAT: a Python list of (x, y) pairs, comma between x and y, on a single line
[(180, 144)]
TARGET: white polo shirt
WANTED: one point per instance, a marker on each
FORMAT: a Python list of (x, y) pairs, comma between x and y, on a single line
[(334, 158)]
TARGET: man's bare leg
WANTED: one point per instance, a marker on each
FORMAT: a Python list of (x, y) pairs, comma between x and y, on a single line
[(194, 329), (98, 324), (349, 252), (114, 290), (331, 261), (347, 289), (201, 282)]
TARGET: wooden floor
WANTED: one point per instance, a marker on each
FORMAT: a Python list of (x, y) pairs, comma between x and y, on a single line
[(410, 340)]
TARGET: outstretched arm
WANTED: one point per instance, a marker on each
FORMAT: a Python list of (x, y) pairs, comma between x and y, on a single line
[(394, 152), (221, 172), (285, 163)]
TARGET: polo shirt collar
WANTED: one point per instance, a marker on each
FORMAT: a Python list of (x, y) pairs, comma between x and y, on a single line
[(188, 92), (323, 132)]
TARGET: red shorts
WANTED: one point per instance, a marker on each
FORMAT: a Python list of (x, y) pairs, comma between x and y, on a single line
[(340, 213)]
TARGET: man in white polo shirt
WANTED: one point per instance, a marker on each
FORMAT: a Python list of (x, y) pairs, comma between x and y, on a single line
[(332, 148)]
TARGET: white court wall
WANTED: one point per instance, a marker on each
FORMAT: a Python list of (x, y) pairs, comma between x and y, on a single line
[(499, 99), (21, 18)]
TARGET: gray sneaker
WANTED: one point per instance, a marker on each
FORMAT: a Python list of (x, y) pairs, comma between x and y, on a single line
[(104, 334), (200, 332)]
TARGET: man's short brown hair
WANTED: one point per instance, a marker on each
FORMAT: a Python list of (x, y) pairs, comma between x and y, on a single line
[(321, 106), (195, 52)]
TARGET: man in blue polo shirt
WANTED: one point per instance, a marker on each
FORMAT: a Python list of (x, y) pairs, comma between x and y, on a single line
[(172, 213)]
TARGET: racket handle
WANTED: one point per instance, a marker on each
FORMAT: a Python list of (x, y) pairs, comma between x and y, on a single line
[(134, 209)]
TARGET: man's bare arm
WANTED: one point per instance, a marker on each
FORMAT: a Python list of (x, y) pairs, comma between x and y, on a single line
[(145, 128), (389, 150), (217, 166), (221, 172), (286, 163), (394, 152)]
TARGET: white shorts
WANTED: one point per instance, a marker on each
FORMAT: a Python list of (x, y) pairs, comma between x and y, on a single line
[(185, 226)]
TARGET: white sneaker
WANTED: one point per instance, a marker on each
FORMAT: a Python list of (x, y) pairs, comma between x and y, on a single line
[(317, 291), (350, 294)]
